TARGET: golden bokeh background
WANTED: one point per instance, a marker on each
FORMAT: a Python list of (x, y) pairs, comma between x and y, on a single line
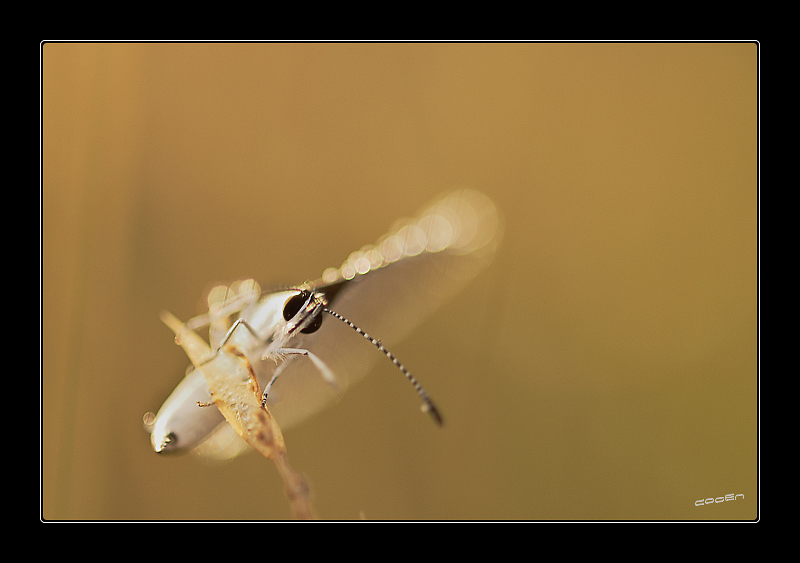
[(604, 367)]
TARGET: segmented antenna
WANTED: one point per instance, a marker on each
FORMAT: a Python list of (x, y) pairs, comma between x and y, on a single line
[(427, 404)]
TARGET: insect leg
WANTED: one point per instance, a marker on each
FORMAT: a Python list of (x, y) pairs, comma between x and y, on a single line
[(227, 337), (326, 372)]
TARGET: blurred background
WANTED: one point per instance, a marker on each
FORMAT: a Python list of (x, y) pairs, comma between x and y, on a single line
[(605, 366)]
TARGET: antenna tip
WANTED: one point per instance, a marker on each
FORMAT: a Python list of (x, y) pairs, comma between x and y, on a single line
[(429, 408)]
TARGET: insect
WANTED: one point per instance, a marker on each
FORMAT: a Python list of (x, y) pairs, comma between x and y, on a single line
[(305, 363)]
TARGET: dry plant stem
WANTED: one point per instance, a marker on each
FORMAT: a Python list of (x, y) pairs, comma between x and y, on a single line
[(296, 488), (236, 393)]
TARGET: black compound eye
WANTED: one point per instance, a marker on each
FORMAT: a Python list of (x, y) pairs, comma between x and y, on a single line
[(293, 306), (314, 325)]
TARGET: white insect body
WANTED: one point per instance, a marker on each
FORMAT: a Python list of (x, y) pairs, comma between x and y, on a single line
[(391, 285)]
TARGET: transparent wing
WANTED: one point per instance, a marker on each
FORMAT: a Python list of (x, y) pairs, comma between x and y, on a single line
[(387, 289)]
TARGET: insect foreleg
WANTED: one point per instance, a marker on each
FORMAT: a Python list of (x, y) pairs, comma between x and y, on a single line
[(324, 370)]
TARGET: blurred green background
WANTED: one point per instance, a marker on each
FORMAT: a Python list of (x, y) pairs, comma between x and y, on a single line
[(604, 367)]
